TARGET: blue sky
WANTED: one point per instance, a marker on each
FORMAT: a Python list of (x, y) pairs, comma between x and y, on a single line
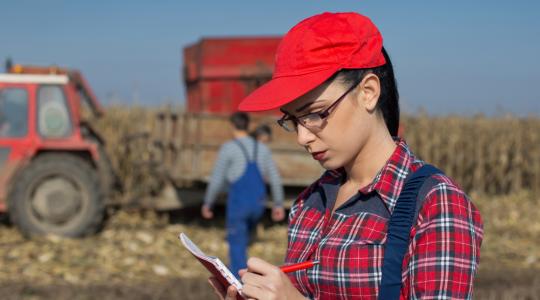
[(450, 57)]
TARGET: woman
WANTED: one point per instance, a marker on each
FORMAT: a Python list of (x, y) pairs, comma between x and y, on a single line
[(335, 84)]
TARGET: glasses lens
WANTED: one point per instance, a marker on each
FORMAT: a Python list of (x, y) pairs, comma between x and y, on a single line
[(311, 121), (287, 124)]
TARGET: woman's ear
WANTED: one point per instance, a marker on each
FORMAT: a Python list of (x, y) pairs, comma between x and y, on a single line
[(370, 90)]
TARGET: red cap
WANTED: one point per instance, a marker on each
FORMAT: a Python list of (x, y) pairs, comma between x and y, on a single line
[(312, 51)]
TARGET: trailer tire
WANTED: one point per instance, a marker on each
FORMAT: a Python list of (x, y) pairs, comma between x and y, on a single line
[(57, 194)]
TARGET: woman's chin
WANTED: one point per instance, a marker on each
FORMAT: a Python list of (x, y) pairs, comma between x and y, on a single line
[(329, 164)]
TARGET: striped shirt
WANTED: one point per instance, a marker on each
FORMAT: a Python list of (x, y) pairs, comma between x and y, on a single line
[(231, 164)]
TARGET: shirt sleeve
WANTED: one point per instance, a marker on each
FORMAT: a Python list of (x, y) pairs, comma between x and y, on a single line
[(271, 173), (446, 246), (218, 178)]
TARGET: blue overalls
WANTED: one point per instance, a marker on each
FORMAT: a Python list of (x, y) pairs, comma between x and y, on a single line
[(245, 206)]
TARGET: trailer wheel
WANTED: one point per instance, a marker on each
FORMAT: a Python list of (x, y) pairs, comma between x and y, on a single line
[(57, 194)]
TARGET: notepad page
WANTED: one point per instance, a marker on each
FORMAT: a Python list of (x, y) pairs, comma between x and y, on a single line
[(228, 274), (193, 248), (218, 264)]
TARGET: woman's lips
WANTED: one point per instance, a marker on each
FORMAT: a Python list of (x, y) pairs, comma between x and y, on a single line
[(318, 155)]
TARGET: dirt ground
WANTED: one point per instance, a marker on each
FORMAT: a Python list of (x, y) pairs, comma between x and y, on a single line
[(181, 288), (138, 256)]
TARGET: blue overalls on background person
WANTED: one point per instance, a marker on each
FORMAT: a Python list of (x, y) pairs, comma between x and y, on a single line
[(245, 206)]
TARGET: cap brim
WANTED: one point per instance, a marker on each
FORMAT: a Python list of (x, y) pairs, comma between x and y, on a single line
[(282, 90)]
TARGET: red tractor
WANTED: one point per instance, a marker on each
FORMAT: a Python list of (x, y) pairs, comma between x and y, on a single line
[(55, 176)]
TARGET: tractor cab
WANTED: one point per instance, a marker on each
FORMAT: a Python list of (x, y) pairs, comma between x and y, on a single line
[(55, 175)]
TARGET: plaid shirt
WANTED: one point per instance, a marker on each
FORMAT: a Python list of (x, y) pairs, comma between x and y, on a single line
[(444, 250)]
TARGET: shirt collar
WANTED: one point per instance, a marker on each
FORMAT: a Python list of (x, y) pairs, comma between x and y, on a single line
[(389, 180)]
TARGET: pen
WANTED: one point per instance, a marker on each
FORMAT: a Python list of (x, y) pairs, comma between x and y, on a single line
[(298, 266)]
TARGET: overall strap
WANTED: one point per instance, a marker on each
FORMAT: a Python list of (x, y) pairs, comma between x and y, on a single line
[(399, 228), (246, 154), (255, 149), (244, 151)]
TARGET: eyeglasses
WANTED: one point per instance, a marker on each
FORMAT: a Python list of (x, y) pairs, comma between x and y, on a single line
[(311, 121)]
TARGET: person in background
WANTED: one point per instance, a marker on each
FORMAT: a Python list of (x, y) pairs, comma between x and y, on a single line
[(263, 133), (242, 165), (382, 223)]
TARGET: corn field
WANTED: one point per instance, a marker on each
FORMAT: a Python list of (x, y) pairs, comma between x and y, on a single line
[(489, 155), (499, 155)]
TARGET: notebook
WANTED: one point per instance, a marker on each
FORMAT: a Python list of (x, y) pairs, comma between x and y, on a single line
[(213, 264)]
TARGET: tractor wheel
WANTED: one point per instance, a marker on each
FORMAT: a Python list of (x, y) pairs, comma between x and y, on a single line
[(57, 194)]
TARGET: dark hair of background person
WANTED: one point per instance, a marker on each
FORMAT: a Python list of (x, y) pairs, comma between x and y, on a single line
[(388, 103), (260, 130), (240, 120)]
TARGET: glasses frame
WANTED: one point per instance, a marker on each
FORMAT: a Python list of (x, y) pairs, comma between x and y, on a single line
[(322, 114)]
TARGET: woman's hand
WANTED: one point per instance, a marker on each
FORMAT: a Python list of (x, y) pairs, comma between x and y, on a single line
[(265, 281)]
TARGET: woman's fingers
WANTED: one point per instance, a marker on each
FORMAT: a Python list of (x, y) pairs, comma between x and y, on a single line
[(253, 279), (263, 280), (253, 292), (231, 293), (259, 266), (242, 272)]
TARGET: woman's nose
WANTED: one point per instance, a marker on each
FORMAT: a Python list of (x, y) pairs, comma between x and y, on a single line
[(304, 137)]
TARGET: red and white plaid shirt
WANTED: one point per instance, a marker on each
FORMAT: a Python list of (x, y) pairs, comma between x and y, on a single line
[(444, 250)]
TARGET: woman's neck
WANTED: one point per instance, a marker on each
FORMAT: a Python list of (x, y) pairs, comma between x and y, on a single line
[(373, 156)]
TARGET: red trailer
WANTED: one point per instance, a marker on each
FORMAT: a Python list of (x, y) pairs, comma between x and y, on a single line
[(220, 72)]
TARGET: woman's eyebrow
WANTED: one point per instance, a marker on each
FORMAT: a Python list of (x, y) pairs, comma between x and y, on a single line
[(301, 108)]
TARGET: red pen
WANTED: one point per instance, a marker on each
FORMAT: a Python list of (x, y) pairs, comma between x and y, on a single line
[(298, 266)]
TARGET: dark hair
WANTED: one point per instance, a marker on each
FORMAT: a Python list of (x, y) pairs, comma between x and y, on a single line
[(260, 130), (388, 103), (240, 120)]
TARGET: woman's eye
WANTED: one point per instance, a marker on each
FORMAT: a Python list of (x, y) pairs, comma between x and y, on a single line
[(312, 116)]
